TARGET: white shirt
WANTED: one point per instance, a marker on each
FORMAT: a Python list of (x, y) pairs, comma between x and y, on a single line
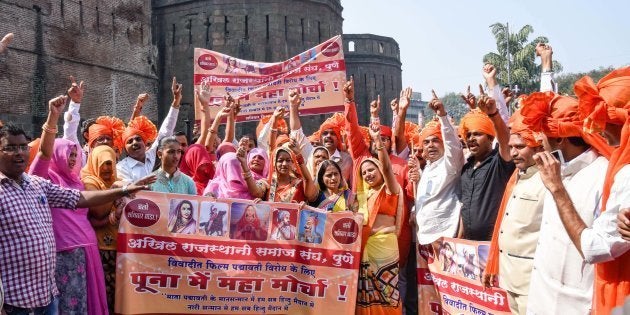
[(131, 170), (562, 282), (437, 204), (602, 242), (71, 126)]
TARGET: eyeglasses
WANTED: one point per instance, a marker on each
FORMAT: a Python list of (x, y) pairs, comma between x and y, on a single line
[(12, 149)]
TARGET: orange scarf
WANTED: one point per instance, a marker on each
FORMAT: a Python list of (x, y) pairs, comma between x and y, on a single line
[(609, 102)]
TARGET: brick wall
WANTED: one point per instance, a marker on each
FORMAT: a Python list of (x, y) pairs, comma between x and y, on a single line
[(106, 43)]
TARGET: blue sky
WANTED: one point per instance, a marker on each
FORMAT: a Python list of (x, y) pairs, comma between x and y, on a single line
[(442, 42)]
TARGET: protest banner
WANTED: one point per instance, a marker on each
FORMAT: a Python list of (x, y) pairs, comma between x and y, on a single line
[(181, 254), (452, 282), (318, 73)]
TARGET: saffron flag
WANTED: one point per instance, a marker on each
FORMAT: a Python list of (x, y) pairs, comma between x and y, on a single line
[(181, 254), (318, 74)]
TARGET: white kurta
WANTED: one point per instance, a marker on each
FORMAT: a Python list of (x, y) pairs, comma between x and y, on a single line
[(562, 281)]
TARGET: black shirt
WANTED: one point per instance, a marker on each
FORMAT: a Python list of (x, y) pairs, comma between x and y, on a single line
[(481, 194)]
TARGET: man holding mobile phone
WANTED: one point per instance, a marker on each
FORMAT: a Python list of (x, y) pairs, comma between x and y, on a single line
[(560, 280)]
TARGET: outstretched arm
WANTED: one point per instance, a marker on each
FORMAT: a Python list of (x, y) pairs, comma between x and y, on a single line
[(202, 101), (357, 145), (399, 125), (547, 81), (72, 116), (488, 105)]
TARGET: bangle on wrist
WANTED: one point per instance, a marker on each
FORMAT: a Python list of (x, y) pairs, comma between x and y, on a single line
[(493, 114), (47, 129), (274, 130), (125, 190), (299, 159), (112, 218)]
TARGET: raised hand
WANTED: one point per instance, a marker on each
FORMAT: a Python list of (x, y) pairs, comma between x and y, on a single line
[(489, 71), (76, 90), (293, 145), (57, 104), (348, 90), (241, 155), (508, 95), (394, 106), (204, 92), (5, 42), (545, 52), (436, 105), (278, 113), (375, 133), (470, 99), (405, 98), (375, 106), (177, 92), (295, 99), (486, 103)]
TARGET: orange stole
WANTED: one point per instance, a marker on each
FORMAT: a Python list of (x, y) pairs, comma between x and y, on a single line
[(492, 266)]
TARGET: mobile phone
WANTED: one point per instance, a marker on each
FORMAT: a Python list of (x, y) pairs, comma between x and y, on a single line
[(558, 155)]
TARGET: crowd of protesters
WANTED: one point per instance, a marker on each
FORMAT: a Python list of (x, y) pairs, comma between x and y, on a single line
[(547, 185)]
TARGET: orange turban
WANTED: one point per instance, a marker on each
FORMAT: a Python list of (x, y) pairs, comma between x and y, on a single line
[(315, 137), (108, 126), (282, 125), (411, 130), (476, 120), (609, 102), (557, 117), (141, 126), (517, 127), (337, 123), (432, 128)]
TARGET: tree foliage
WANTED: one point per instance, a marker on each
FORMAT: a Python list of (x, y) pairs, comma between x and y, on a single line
[(522, 55), (566, 81), (454, 105)]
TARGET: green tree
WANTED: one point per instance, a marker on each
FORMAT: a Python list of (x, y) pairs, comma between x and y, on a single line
[(523, 69), (454, 105), (566, 81)]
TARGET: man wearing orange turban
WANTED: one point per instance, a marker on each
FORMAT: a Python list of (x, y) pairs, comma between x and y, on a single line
[(560, 279), (330, 137), (488, 169), (516, 229), (437, 203), (605, 108), (140, 161)]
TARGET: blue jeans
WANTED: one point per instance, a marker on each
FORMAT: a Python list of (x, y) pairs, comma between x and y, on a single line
[(50, 309)]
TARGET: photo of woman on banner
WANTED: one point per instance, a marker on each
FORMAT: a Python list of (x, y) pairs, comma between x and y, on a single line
[(213, 218), (181, 217), (232, 66), (249, 222), (447, 257), (285, 221), (311, 227)]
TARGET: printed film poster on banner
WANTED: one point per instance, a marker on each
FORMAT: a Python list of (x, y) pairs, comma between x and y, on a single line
[(191, 255)]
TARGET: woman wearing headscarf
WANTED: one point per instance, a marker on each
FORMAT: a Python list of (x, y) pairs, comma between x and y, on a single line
[(380, 201), (79, 276), (99, 173), (254, 169), (198, 165), (334, 194), (229, 181)]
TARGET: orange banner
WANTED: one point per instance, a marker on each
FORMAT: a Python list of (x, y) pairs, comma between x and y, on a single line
[(180, 254), (449, 279), (318, 73)]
